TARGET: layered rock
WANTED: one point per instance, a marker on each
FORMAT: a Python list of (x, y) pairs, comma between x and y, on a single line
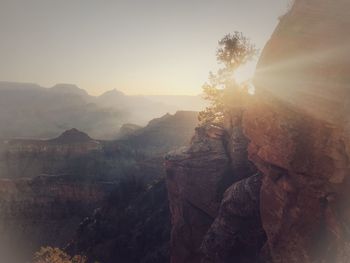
[(197, 177), (43, 212), (30, 158), (164, 134), (299, 137), (236, 233), (132, 226), (297, 132)]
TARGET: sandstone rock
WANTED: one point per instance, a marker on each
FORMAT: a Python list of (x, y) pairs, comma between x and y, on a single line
[(132, 226), (196, 180), (43, 212), (30, 158), (236, 234), (236, 141), (197, 177), (299, 138)]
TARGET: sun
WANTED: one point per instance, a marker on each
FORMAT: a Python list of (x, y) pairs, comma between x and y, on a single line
[(245, 73)]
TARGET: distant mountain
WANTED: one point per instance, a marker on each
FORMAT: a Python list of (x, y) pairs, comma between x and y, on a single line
[(30, 111), (72, 136), (128, 129), (5, 85), (164, 133), (140, 109), (75, 152), (69, 89)]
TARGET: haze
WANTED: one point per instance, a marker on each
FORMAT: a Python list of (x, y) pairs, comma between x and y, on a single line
[(138, 47)]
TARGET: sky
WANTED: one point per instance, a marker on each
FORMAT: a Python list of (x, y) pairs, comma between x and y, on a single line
[(146, 47)]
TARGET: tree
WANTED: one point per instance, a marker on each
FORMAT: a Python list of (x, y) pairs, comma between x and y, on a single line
[(56, 255), (234, 51)]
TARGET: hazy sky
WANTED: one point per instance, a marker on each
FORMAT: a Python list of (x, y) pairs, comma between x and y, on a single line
[(137, 46)]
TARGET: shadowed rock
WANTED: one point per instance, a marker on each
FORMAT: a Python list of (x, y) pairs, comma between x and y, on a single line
[(236, 233)]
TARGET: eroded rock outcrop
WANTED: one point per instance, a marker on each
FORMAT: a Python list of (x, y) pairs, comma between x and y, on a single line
[(44, 211), (299, 137), (296, 130), (61, 155), (197, 178), (236, 233), (133, 226)]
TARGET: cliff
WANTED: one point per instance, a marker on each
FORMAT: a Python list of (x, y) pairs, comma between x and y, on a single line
[(104, 199), (132, 226), (43, 211), (290, 204), (299, 137), (214, 196), (30, 158), (163, 134)]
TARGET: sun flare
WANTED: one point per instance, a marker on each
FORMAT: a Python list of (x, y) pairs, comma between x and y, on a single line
[(245, 73)]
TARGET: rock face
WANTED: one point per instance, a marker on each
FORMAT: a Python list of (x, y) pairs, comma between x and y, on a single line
[(132, 226), (197, 178), (164, 134), (30, 158), (305, 63), (236, 233), (43, 211), (299, 134), (296, 132), (52, 186)]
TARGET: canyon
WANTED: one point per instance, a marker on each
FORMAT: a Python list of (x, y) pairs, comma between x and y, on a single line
[(55, 192), (30, 111), (271, 184), (267, 185)]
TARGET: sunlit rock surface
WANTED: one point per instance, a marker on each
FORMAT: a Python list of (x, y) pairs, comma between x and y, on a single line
[(306, 62), (299, 136), (296, 132)]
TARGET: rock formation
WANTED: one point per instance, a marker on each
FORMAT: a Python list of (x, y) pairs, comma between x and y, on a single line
[(196, 179), (30, 158), (164, 134), (43, 212), (133, 226), (299, 137), (207, 222), (107, 199), (295, 131), (236, 233)]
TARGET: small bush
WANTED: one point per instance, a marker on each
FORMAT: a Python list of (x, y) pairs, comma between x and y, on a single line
[(56, 255)]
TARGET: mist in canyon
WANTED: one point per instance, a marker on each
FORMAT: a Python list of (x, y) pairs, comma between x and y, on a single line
[(133, 162)]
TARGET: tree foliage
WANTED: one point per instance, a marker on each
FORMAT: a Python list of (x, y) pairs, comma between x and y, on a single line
[(234, 51), (56, 255)]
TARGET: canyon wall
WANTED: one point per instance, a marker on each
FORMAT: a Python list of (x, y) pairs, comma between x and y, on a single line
[(272, 184), (214, 196), (44, 211), (66, 154), (103, 199), (299, 136)]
